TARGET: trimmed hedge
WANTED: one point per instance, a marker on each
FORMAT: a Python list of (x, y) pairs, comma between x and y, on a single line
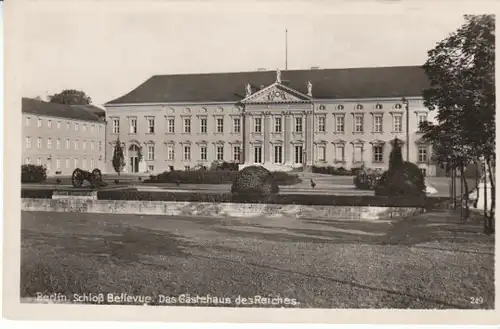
[(340, 171), (33, 173), (37, 193), (302, 199), (214, 177)]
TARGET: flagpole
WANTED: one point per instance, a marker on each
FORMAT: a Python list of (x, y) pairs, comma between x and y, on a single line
[(286, 49)]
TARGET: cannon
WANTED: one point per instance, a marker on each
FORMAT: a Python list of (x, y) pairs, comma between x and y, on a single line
[(94, 177)]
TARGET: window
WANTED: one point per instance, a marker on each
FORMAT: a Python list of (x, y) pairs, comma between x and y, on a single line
[(298, 154), (39, 143), (151, 126), (340, 107), (27, 161), (339, 153), (151, 168), (68, 145), (84, 127), (398, 123), (220, 125), (116, 126), (322, 153), (421, 118), (257, 125), (298, 125), (49, 165), (67, 163), (339, 123), (100, 146), (58, 143), (170, 152), (92, 163), (203, 125), (28, 142), (49, 123), (277, 125), (28, 122), (67, 125), (187, 153), (133, 126), (378, 106), (378, 153), (76, 126), (236, 125), (377, 123), (257, 154), (58, 124), (397, 106), (423, 171), (151, 152), (358, 153), (321, 124), (92, 145), (237, 153), (278, 154), (76, 145), (39, 123), (171, 125), (220, 153), (422, 154), (187, 168), (39, 161), (49, 143), (187, 125), (75, 162), (358, 124), (203, 153), (359, 107), (92, 129), (84, 163), (84, 145)]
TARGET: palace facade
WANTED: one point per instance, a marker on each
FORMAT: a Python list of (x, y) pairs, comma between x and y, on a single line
[(280, 120), (62, 137)]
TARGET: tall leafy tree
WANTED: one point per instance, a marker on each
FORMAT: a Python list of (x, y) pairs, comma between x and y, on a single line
[(71, 97), (462, 87), (118, 157)]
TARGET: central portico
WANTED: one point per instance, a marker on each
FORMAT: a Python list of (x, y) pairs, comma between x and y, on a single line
[(278, 130)]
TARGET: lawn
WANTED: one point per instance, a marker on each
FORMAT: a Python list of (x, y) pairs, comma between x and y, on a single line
[(429, 261)]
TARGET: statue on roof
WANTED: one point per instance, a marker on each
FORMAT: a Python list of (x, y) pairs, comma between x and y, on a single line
[(278, 76), (309, 88), (248, 89)]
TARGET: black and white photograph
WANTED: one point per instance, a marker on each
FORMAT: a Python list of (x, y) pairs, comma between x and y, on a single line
[(266, 156)]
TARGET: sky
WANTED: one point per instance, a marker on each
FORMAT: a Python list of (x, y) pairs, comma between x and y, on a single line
[(107, 50)]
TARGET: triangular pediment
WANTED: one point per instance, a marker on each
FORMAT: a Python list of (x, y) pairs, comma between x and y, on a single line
[(276, 93)]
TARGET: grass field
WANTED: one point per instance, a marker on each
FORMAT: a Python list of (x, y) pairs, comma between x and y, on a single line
[(430, 261)]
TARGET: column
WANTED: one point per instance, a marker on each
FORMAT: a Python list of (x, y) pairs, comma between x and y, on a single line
[(246, 138)]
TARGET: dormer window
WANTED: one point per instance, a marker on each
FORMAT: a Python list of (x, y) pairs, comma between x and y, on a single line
[(340, 107), (359, 107), (378, 106), (397, 106)]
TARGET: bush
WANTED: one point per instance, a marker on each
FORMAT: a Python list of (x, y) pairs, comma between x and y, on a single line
[(254, 180), (366, 178), (284, 178), (36, 194), (407, 180), (402, 178), (340, 171), (33, 174)]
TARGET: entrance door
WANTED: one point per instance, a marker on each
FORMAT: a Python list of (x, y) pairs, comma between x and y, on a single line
[(134, 159)]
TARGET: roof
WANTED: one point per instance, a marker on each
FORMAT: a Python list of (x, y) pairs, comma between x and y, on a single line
[(37, 107), (350, 83), (92, 109)]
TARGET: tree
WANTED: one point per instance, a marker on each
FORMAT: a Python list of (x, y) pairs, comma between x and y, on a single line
[(70, 97), (461, 71), (118, 158)]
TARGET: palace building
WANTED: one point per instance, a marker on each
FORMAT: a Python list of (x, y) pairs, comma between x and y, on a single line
[(63, 137), (280, 120)]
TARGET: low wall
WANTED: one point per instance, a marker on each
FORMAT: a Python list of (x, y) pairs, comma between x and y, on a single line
[(212, 209)]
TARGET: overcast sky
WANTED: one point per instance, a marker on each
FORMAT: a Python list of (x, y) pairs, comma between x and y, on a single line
[(108, 50)]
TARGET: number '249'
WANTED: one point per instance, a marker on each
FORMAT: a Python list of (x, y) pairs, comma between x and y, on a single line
[(476, 300)]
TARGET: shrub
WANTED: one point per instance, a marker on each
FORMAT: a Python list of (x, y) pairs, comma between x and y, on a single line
[(284, 178), (36, 194), (33, 174), (366, 178), (254, 180), (406, 180), (329, 170), (402, 178)]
